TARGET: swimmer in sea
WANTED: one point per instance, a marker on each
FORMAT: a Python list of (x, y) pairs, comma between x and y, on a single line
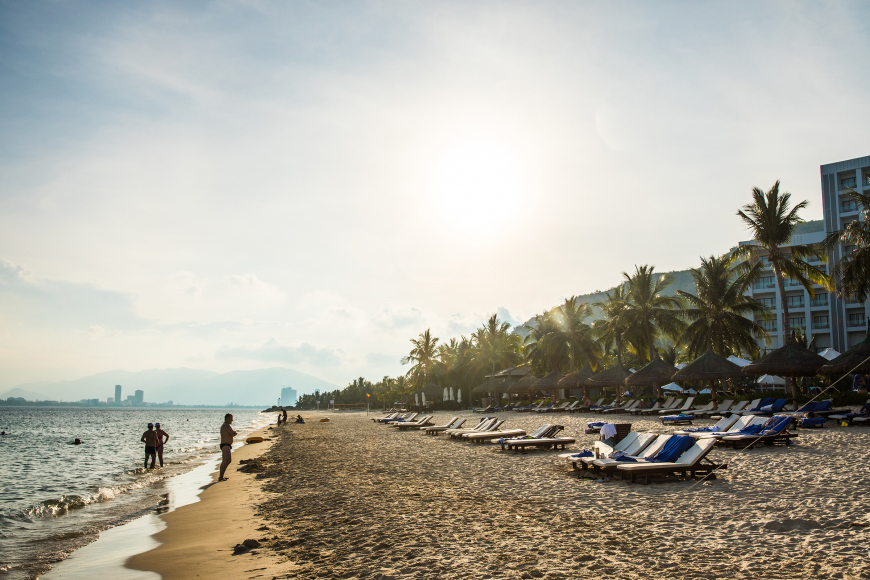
[(149, 438), (227, 435), (77, 441)]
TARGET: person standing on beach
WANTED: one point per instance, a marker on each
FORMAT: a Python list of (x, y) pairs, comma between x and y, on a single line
[(227, 435), (160, 441), (149, 438)]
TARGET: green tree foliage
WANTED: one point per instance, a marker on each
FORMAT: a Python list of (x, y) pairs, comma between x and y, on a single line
[(720, 315), (852, 272), (647, 313), (771, 220)]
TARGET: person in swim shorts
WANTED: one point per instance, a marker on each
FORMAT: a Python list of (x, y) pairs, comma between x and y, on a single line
[(149, 438), (160, 441), (227, 435)]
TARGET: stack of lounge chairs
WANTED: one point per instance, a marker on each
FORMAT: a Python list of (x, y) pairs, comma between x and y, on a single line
[(582, 408), (408, 425), (454, 423), (547, 440)]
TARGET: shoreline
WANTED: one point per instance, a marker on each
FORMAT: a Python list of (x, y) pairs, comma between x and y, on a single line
[(198, 538)]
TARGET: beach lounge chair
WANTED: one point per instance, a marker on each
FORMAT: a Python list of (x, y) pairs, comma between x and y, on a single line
[(552, 409), (754, 405), (568, 408), (495, 425), (656, 407), (772, 431), (706, 409), (453, 423), (549, 441), (482, 437), (680, 419), (862, 412), (483, 424), (487, 409), (692, 460), (530, 408), (736, 409), (686, 406), (645, 451), (625, 409), (420, 422), (581, 408), (735, 429), (603, 449), (544, 409), (721, 426), (668, 405), (595, 408), (400, 418), (768, 407), (390, 416), (722, 408)]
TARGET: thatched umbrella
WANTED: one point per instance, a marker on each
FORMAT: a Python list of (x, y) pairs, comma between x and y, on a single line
[(577, 379), (488, 386), (792, 360), (506, 384), (613, 377), (524, 385), (549, 383), (708, 367), (655, 374), (856, 360)]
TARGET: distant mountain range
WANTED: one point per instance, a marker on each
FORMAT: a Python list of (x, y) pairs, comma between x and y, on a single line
[(682, 280), (182, 386)]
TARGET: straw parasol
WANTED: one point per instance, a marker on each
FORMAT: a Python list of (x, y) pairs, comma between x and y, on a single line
[(708, 367), (524, 385), (791, 360), (549, 383), (577, 379), (855, 360), (487, 386), (612, 377), (655, 374)]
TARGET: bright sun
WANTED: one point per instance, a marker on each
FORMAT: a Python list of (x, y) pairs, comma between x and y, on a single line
[(478, 187)]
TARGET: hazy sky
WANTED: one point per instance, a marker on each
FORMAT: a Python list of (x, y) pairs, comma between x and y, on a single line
[(236, 185)]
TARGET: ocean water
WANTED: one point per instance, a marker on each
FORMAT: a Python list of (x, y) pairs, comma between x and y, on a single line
[(56, 497)]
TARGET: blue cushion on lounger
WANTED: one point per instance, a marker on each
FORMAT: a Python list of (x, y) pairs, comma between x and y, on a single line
[(679, 417), (676, 446), (807, 422), (584, 453)]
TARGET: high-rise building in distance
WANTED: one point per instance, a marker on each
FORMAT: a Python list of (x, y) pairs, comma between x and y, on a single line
[(139, 397), (288, 396), (118, 398)]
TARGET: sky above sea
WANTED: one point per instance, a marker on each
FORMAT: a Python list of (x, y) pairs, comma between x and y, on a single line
[(236, 185)]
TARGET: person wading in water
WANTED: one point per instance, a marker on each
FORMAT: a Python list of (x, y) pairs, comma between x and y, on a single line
[(227, 435), (160, 441), (149, 438)]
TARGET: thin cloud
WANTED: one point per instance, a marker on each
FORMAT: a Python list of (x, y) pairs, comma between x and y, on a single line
[(275, 351)]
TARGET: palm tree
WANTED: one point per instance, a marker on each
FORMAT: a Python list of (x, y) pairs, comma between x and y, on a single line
[(576, 333), (425, 355), (544, 345), (648, 313), (852, 272), (720, 315), (495, 345), (611, 329), (772, 223)]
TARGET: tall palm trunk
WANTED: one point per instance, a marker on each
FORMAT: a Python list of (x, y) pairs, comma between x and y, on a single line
[(780, 283)]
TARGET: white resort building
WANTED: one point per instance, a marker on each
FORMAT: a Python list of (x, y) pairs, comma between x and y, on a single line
[(833, 322)]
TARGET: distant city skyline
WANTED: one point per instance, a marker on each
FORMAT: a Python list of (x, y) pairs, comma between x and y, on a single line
[(245, 185)]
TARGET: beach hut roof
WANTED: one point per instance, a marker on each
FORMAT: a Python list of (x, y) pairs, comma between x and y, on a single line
[(707, 367), (505, 384), (524, 385), (551, 381), (657, 372), (487, 386), (672, 387), (576, 379), (854, 360), (612, 377), (789, 360), (770, 380)]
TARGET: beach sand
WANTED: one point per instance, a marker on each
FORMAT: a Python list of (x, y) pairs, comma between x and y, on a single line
[(199, 539), (354, 499)]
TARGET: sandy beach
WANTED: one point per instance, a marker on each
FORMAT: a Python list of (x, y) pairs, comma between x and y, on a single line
[(354, 499)]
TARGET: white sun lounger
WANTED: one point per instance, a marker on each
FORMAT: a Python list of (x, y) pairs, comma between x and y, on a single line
[(741, 423), (721, 426), (691, 462)]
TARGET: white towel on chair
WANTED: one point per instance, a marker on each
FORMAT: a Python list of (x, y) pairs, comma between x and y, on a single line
[(608, 431)]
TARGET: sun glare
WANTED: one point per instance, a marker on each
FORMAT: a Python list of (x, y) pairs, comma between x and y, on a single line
[(477, 187)]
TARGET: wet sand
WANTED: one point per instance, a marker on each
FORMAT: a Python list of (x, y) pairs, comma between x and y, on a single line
[(354, 499)]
